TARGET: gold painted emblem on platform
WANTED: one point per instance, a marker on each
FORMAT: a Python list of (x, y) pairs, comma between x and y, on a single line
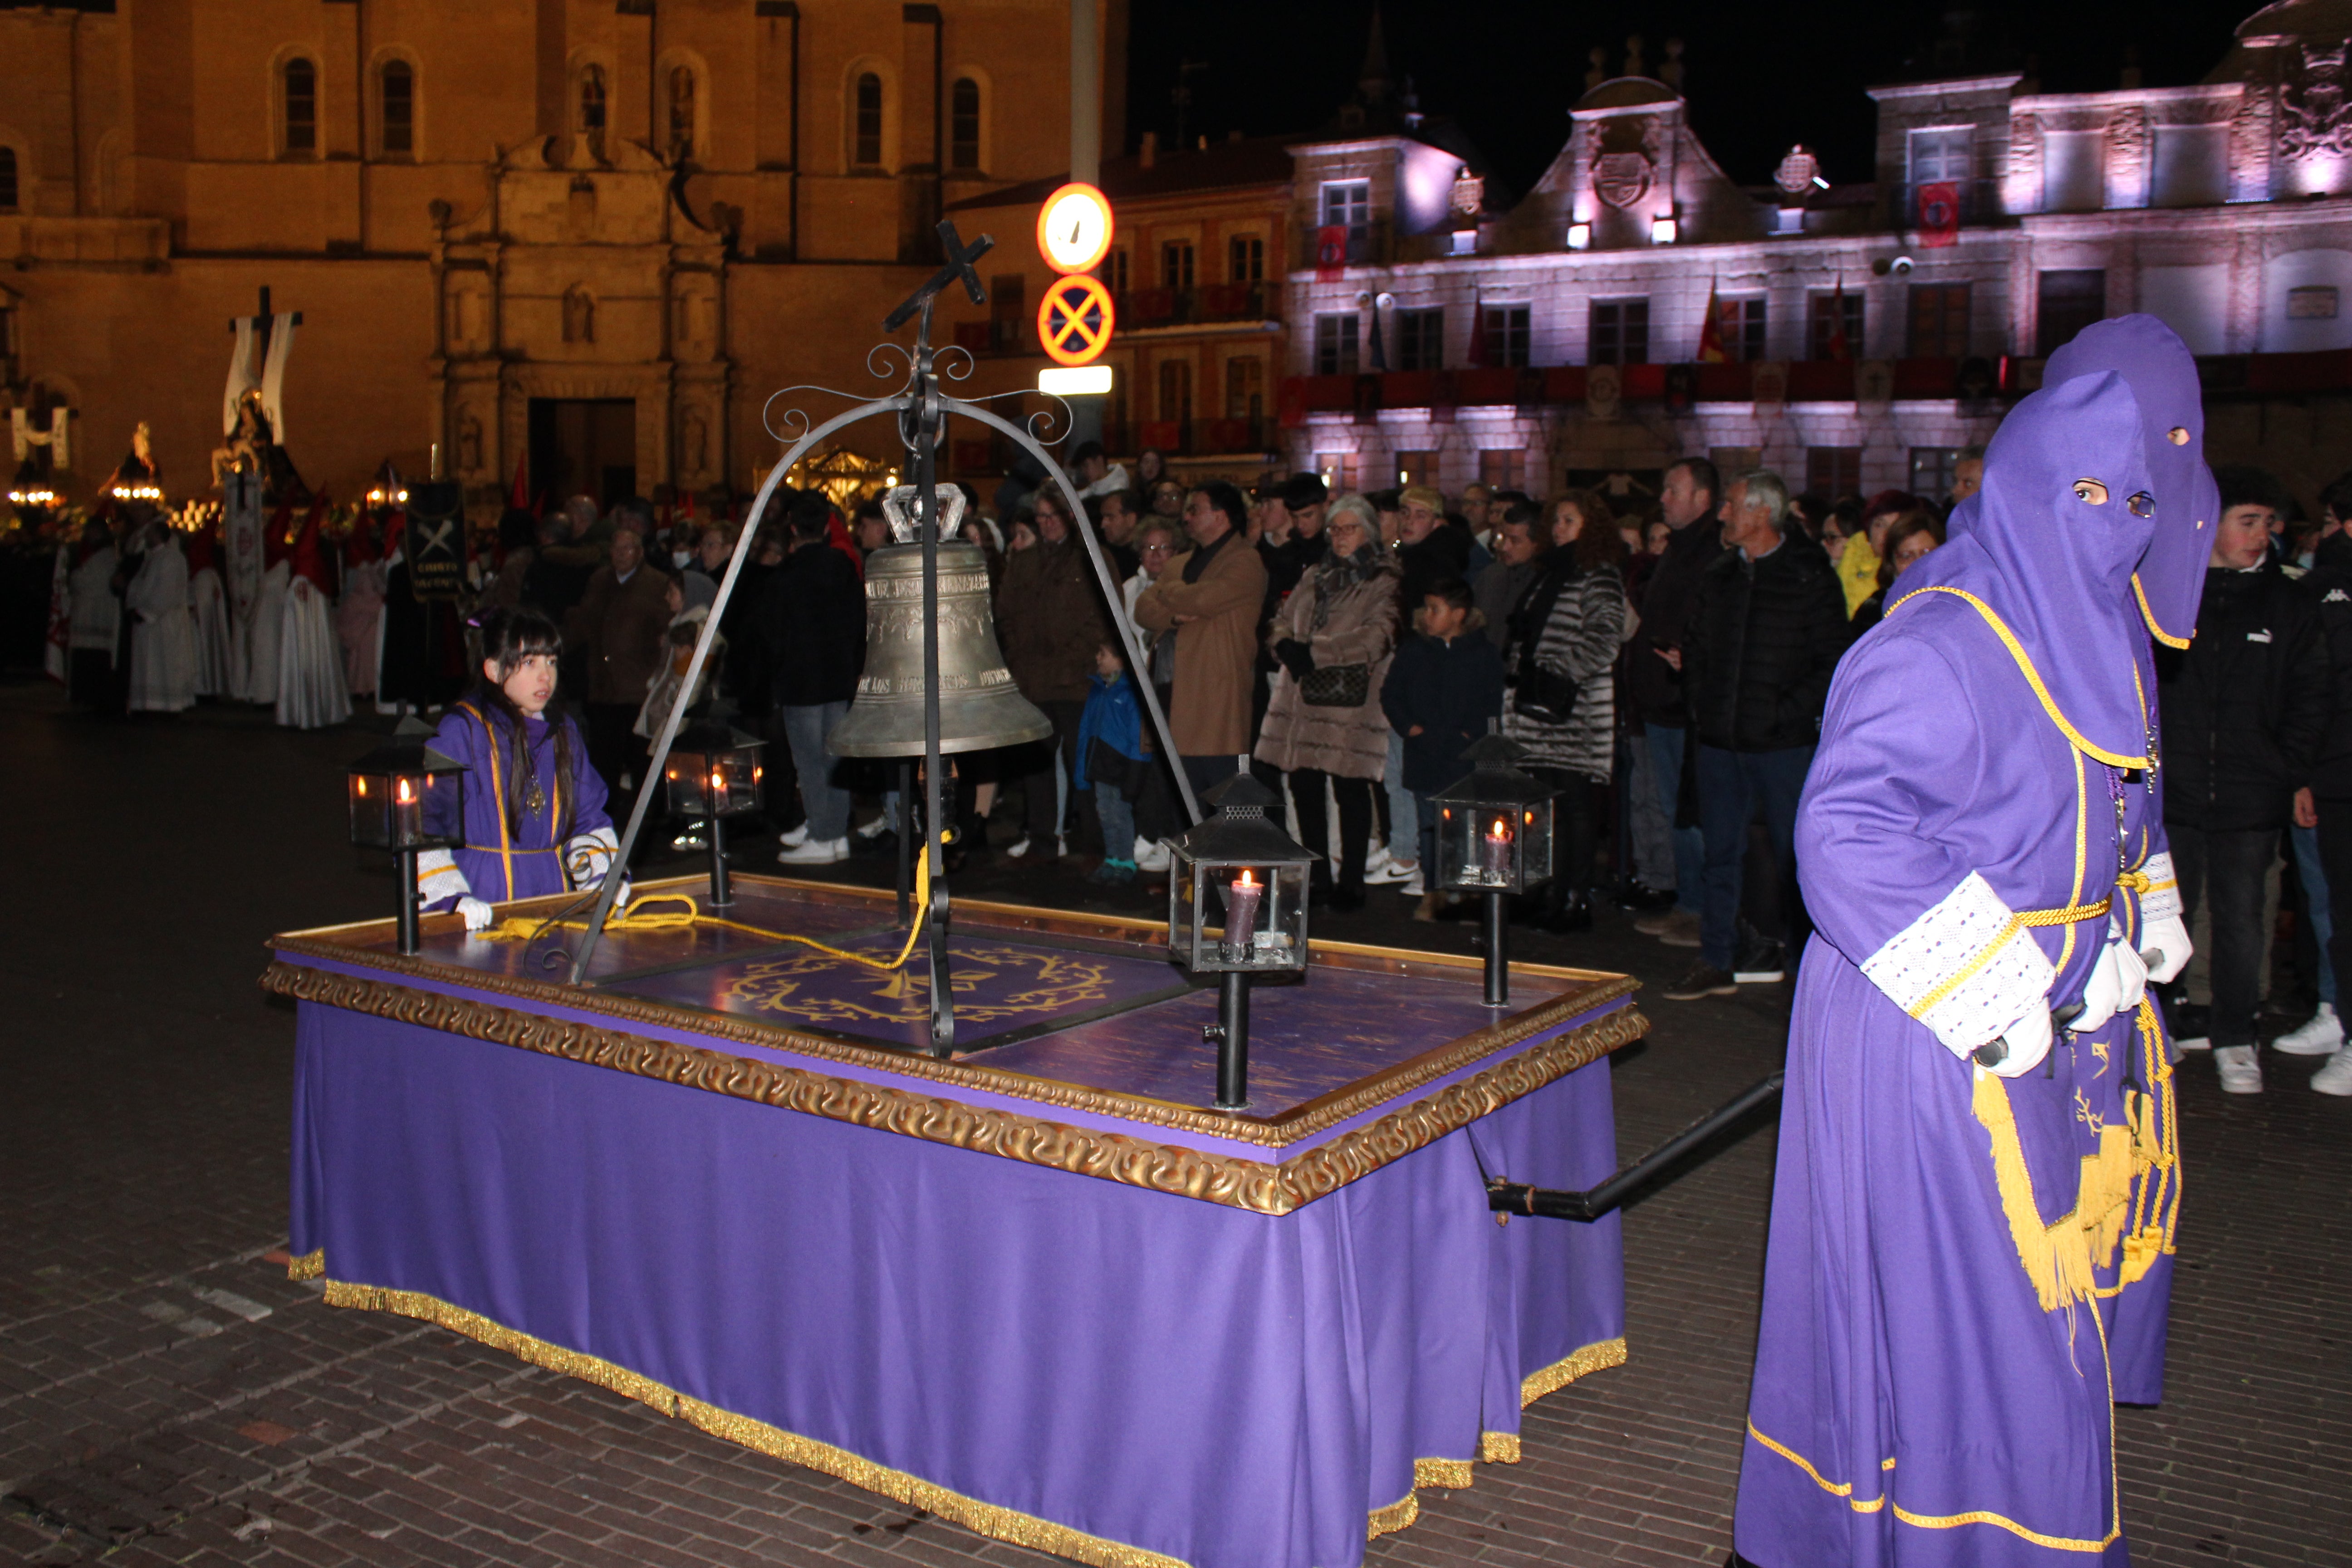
[(991, 983)]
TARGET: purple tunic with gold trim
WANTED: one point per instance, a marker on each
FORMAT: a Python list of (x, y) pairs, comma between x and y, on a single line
[(523, 836), (1932, 1383)]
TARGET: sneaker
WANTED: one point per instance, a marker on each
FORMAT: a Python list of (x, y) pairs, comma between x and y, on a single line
[(2241, 1069), (1112, 874), (2320, 1037), (1018, 849), (2335, 1076), (1151, 856), (1637, 897), (1656, 922), (1392, 870), (1676, 928), (1376, 860), (1764, 964), (1061, 846), (1704, 980), (795, 839), (875, 828), (1426, 910), (816, 852), (1412, 887), (2192, 1028)]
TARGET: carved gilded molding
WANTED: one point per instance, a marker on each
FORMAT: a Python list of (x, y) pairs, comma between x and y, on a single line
[(1260, 1186), (1277, 1132)]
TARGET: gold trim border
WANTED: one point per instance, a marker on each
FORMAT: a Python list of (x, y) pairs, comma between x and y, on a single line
[(1594, 1357), (981, 1517), (1301, 1124), (1262, 1186), (311, 1265)]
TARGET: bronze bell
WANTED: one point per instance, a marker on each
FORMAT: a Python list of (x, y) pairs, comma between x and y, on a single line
[(980, 708)]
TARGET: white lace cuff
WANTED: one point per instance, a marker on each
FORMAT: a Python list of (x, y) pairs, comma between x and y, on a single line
[(2161, 901), (439, 880), (588, 856), (1966, 969)]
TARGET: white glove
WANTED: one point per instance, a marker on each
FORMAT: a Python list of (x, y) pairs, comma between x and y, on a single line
[(2029, 1041), (2119, 980), (2161, 932), (476, 913), (2166, 943)]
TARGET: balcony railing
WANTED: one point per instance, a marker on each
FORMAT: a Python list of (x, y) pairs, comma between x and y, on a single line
[(1191, 307)]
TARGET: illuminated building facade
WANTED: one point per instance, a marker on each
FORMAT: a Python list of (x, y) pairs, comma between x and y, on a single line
[(594, 234), (1867, 332)]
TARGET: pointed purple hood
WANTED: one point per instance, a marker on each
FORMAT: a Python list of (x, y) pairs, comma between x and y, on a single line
[(2057, 569), (2152, 358)]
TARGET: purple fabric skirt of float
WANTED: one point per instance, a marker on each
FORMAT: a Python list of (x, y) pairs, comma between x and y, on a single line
[(1173, 1378)]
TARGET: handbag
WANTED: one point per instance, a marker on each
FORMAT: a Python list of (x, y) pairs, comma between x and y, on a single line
[(1540, 697), (1336, 686)]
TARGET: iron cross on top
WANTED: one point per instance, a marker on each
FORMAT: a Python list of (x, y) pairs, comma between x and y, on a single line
[(958, 264)]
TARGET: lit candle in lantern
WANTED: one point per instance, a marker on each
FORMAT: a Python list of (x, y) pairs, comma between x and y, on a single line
[(718, 789), (1241, 897), (407, 817), (1494, 850)]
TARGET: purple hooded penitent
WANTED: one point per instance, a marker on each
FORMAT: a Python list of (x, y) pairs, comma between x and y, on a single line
[(2166, 590), (1931, 1379), (2169, 580)]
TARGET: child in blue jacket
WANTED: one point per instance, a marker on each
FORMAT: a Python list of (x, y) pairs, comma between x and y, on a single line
[(1111, 759)]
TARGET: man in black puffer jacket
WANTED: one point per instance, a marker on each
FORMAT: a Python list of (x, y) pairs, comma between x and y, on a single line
[(2329, 807), (2245, 711), (1766, 627)]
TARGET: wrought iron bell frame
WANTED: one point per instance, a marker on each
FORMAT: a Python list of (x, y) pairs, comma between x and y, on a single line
[(921, 410)]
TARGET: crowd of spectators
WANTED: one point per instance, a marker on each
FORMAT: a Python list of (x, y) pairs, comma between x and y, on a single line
[(1662, 657)]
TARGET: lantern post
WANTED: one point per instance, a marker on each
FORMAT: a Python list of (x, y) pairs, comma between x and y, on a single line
[(1494, 838)]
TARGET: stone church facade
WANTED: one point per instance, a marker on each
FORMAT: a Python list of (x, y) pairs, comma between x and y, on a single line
[(511, 226)]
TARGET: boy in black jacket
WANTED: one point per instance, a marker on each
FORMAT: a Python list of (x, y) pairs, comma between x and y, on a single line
[(1444, 690)]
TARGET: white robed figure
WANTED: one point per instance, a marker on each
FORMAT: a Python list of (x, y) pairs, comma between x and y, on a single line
[(163, 637), (312, 692)]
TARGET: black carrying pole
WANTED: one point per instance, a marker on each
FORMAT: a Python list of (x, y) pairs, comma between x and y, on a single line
[(405, 868), (1230, 1033), (1551, 1203), (1498, 963), (721, 894)]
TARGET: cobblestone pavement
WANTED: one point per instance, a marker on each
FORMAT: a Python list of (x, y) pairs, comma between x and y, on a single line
[(167, 1397)]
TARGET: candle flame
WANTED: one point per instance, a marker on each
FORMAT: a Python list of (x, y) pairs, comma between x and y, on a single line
[(718, 782), (406, 792), (1247, 880), (1500, 832)]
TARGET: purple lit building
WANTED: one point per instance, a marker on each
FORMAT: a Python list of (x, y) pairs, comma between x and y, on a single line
[(1867, 332)]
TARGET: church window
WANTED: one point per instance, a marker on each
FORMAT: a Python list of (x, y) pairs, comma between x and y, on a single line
[(591, 108), (399, 99), (299, 87), (681, 111), (963, 125), (867, 153), (7, 179)]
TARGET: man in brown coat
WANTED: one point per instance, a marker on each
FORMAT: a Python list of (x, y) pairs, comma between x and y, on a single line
[(1212, 596), (619, 624), (1049, 621)]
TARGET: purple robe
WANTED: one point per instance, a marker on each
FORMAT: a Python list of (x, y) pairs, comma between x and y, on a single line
[(1932, 1378), (2167, 586), (508, 850)]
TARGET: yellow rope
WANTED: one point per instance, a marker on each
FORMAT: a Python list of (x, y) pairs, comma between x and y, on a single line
[(637, 916)]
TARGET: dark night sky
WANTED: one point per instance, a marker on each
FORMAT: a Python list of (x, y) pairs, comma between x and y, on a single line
[(1762, 75)]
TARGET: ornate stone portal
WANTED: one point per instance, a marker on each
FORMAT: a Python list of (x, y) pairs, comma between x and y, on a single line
[(581, 277)]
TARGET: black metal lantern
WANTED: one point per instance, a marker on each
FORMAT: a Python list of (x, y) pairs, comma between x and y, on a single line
[(713, 771), (407, 797), (1237, 907), (1494, 837)]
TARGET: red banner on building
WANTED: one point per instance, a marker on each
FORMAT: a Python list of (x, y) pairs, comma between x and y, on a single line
[(1330, 252), (1939, 213)]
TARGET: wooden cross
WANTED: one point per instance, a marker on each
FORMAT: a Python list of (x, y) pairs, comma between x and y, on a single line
[(959, 266)]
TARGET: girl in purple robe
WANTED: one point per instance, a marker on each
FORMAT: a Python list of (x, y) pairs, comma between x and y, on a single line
[(1964, 1185), (535, 819)]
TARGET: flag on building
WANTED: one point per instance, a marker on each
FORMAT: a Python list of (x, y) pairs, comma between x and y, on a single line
[(1710, 331), (1330, 252), (1939, 213)]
